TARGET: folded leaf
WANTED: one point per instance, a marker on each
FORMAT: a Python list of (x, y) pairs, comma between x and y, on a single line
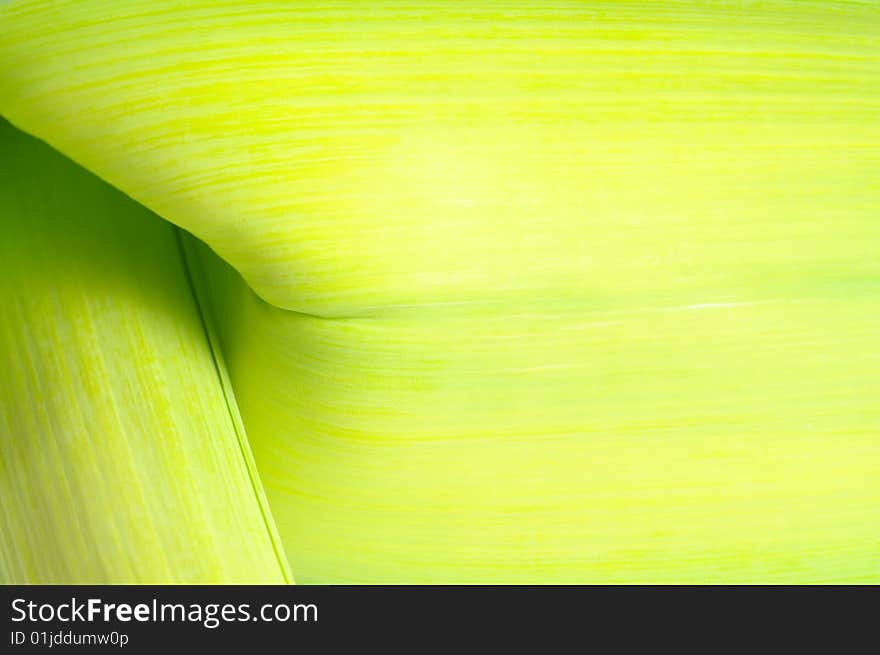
[(545, 292), (346, 156), (119, 460)]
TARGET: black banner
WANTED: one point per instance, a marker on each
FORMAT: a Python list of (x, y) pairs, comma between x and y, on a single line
[(151, 618)]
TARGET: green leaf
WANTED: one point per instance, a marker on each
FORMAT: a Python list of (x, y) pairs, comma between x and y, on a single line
[(512, 292), (119, 460)]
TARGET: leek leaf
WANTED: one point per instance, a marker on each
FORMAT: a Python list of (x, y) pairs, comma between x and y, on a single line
[(536, 292), (119, 461)]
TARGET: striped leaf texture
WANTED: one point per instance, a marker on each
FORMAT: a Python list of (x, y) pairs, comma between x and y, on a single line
[(509, 291)]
